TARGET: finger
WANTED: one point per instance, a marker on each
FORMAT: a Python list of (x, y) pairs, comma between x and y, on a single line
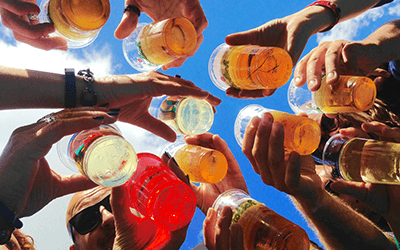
[(292, 176), (173, 165), (44, 43), (209, 229), (262, 146), (20, 8), (127, 25), (358, 190), (276, 156), (350, 55), (213, 100), (73, 183), (252, 94), (79, 112), (222, 232), (382, 130), (175, 63), (204, 140), (353, 132), (299, 74), (332, 60), (243, 38), (314, 68), (248, 142), (54, 131), (236, 237), (23, 27), (156, 126), (192, 10)]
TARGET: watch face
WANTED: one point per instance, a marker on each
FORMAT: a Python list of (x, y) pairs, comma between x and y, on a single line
[(5, 235)]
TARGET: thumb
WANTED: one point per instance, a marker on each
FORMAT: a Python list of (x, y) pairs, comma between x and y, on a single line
[(74, 183), (350, 59), (127, 25), (20, 8), (242, 38), (356, 189)]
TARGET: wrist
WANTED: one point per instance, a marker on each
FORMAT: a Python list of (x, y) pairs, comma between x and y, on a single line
[(316, 18), (313, 205)]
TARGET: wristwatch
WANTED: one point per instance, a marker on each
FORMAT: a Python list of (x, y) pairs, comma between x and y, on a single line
[(8, 223)]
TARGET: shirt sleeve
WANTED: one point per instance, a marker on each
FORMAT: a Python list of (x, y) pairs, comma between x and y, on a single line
[(383, 2)]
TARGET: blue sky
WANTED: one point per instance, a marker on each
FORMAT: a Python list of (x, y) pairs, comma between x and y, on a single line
[(105, 57)]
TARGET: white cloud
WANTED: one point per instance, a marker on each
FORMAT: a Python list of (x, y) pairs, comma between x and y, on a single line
[(395, 10), (349, 29), (24, 56)]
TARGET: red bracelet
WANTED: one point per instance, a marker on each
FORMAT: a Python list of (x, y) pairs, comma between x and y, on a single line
[(331, 6)]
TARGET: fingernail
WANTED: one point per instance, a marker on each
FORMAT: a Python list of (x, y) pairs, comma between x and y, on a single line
[(187, 176), (100, 117), (312, 83), (115, 109), (178, 76), (331, 75), (167, 155), (113, 113), (173, 159), (104, 105), (297, 79)]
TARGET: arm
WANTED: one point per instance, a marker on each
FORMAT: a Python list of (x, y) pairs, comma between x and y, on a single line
[(335, 222), (131, 94), (292, 33), (14, 16), (351, 58), (340, 227)]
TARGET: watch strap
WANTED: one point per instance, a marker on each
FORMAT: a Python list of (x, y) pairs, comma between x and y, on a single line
[(70, 88), (333, 7)]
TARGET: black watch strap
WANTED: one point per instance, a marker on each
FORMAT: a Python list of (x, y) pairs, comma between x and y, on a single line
[(70, 88)]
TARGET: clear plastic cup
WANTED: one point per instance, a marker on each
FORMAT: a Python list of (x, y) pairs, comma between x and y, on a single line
[(78, 22), (186, 116), (153, 45), (101, 154), (302, 134), (202, 164), (262, 227)]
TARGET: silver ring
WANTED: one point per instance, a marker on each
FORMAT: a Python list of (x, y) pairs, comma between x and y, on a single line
[(33, 17), (48, 118)]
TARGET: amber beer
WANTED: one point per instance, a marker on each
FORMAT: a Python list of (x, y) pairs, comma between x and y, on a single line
[(249, 67), (77, 20), (164, 41), (302, 134), (262, 228), (362, 160), (201, 164), (349, 94)]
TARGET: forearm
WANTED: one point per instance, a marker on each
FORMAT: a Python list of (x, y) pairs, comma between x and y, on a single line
[(340, 227), (387, 37), (319, 18), (22, 88)]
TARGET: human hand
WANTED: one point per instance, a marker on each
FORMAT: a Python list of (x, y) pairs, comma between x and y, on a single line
[(14, 16), (219, 233), (290, 173), (337, 58), (160, 10), (289, 33), (27, 181), (207, 193), (133, 94), (133, 232), (381, 198)]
